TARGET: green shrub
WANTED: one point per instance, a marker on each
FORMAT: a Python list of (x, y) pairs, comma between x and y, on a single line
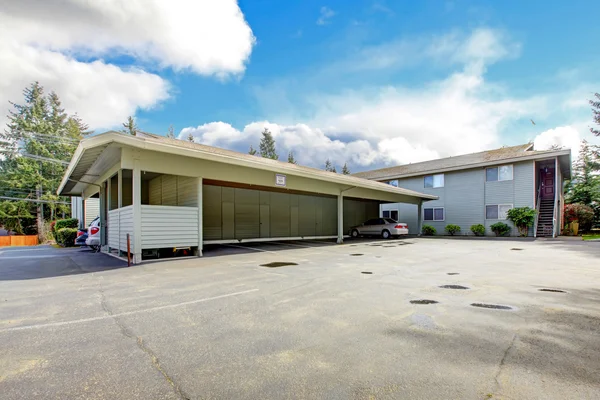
[(522, 217), (452, 229), (478, 229), (581, 213), (428, 230), (500, 229), (66, 223), (66, 236)]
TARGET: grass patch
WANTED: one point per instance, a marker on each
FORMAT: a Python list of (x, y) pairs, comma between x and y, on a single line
[(591, 236)]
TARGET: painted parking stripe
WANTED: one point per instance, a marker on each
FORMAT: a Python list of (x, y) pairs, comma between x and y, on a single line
[(124, 314), (28, 257), (294, 245), (249, 248)]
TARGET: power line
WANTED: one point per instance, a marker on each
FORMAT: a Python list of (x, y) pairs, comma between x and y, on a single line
[(54, 160), (33, 200)]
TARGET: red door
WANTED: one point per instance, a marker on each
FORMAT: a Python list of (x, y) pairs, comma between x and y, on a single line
[(547, 177)]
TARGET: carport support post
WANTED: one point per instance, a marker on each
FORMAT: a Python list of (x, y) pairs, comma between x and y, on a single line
[(340, 218), (103, 215), (420, 218), (200, 211), (137, 212)]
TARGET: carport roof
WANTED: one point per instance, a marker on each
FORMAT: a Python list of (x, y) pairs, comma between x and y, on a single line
[(86, 164)]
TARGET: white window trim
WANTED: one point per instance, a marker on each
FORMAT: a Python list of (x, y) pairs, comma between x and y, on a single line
[(433, 220), (512, 167), (497, 206), (434, 187)]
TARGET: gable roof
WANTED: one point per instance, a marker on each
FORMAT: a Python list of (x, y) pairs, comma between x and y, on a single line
[(521, 152)]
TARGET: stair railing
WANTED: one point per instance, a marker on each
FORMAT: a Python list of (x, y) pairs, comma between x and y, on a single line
[(537, 211)]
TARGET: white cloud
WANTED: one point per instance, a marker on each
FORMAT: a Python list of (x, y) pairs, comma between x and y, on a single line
[(563, 136), (61, 43), (325, 16)]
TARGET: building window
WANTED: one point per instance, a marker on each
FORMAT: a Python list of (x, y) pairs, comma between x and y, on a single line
[(434, 181), (394, 183), (497, 211), (433, 214), (502, 173), (392, 214)]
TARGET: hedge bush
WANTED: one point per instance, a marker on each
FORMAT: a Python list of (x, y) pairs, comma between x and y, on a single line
[(522, 217), (66, 223), (500, 229), (66, 236), (478, 229), (452, 229), (581, 213), (428, 230)]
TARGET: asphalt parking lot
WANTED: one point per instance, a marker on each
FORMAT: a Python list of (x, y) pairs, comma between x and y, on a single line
[(335, 322)]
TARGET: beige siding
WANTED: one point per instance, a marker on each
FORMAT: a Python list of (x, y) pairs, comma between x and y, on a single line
[(155, 191), (187, 191), (211, 217), (125, 227), (92, 210), (165, 226), (113, 229), (169, 190)]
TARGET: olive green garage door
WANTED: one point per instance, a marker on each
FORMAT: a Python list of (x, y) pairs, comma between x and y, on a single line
[(234, 213)]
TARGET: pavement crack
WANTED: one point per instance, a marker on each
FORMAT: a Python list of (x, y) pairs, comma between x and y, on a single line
[(127, 332), (503, 362)]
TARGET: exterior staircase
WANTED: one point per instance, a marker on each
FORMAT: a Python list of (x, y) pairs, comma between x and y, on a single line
[(545, 224)]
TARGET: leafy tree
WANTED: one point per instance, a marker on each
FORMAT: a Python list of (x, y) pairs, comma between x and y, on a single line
[(345, 169), (190, 138), (13, 215), (37, 143), (584, 188), (267, 145), (522, 217), (130, 126), (595, 103), (252, 151), (171, 132), (291, 158)]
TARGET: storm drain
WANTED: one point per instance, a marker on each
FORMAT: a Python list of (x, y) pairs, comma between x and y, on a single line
[(491, 306), (356, 254), (516, 248), (424, 301), (552, 290), (452, 273), (454, 287), (277, 264), (367, 272)]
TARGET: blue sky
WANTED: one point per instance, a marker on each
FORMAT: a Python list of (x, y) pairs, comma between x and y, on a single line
[(368, 82)]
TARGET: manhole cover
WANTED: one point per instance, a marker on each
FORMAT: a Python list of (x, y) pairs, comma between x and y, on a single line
[(516, 248), (491, 306), (454, 287), (452, 273), (552, 290), (424, 301), (356, 254), (367, 272), (277, 264)]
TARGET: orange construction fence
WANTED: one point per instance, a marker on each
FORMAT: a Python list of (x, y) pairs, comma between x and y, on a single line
[(26, 240)]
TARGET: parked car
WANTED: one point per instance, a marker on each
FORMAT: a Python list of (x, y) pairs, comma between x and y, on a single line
[(384, 227), (93, 239), (81, 237)]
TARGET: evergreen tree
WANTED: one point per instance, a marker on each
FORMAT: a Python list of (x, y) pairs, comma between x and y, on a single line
[(345, 169), (130, 126), (267, 145), (38, 142), (328, 166), (596, 113), (252, 151), (333, 169), (584, 188), (190, 138), (291, 158), (171, 132)]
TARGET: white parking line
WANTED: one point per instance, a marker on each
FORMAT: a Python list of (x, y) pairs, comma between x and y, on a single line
[(25, 257), (123, 314), (293, 244), (249, 248)]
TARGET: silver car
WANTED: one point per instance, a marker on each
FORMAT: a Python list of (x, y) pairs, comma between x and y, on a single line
[(384, 227)]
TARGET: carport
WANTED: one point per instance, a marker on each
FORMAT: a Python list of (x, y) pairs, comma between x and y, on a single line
[(168, 193)]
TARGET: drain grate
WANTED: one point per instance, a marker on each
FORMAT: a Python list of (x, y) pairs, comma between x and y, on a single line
[(491, 306), (452, 273), (552, 290), (277, 264), (367, 272), (357, 254), (454, 287), (424, 301), (516, 249)]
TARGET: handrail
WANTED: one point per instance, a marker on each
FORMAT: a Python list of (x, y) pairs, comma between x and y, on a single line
[(537, 211)]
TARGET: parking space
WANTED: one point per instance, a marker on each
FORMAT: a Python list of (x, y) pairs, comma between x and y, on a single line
[(411, 318)]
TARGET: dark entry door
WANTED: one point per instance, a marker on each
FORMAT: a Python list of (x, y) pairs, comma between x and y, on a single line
[(547, 183)]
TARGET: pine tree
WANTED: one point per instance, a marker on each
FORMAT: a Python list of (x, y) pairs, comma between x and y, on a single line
[(130, 126), (333, 169), (291, 158), (267, 145), (171, 132), (252, 151), (39, 140), (596, 113), (328, 165), (190, 138), (584, 188), (345, 169)]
